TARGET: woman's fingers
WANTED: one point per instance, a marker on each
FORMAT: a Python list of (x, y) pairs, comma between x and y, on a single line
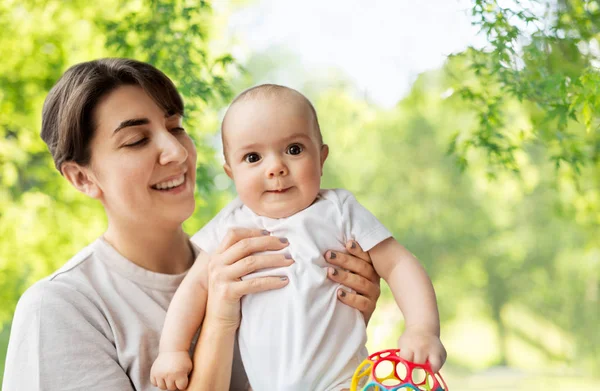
[(234, 235), (367, 294), (361, 303), (249, 246), (355, 282), (359, 275), (259, 284), (253, 263), (353, 263), (354, 248)]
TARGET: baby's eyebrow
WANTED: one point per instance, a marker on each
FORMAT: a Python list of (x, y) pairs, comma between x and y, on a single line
[(245, 148), (248, 147), (297, 135)]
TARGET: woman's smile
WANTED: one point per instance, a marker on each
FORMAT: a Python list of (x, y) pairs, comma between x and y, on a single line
[(173, 185)]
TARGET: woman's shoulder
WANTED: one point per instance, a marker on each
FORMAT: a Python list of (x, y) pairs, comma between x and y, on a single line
[(52, 297), (71, 266), (61, 309), (42, 295), (50, 311), (63, 289), (60, 332)]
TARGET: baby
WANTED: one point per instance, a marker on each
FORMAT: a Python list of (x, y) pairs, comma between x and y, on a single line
[(298, 338)]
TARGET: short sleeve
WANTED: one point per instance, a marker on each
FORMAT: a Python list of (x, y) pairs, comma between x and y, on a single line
[(60, 341), (209, 237), (359, 223)]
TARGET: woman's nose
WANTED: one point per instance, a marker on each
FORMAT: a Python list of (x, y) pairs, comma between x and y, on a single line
[(172, 150)]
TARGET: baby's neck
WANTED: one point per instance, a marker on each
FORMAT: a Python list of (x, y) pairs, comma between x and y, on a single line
[(283, 215)]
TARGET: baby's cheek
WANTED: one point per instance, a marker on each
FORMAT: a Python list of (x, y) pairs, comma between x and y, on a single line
[(250, 193)]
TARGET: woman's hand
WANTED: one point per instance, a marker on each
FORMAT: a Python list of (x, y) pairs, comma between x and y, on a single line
[(234, 259), (227, 265), (357, 273)]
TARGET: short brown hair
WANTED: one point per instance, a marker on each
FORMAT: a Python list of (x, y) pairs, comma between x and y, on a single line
[(268, 91), (67, 116)]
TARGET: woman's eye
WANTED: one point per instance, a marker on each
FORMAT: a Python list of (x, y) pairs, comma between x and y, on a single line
[(295, 149), (137, 143), (251, 158), (178, 129)]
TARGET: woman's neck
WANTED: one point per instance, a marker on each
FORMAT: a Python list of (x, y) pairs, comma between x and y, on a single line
[(163, 250)]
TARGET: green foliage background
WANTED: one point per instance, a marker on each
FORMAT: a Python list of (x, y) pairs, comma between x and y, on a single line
[(487, 170)]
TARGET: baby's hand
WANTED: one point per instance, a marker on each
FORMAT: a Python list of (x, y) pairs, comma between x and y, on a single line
[(170, 371), (419, 346)]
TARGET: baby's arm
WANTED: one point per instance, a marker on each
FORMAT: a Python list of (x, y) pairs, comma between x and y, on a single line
[(184, 317), (414, 294)]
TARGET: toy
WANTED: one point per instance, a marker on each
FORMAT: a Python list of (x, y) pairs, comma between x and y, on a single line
[(386, 370)]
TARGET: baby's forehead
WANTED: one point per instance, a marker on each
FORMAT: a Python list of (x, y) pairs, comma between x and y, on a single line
[(286, 101), (258, 109), (289, 100)]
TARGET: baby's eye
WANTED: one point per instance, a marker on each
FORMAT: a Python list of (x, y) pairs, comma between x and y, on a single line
[(295, 149), (252, 157)]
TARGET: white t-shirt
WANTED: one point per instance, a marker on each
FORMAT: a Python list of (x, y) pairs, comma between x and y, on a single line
[(300, 337), (93, 325)]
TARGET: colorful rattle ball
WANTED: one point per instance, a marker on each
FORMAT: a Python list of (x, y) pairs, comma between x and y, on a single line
[(386, 370)]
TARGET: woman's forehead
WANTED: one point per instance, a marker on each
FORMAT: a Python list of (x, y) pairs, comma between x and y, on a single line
[(127, 103)]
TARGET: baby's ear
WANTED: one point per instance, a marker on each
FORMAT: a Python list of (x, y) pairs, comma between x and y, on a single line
[(324, 154), (81, 178), (228, 170)]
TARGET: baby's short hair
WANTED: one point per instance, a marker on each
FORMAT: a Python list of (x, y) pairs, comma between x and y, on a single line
[(269, 91)]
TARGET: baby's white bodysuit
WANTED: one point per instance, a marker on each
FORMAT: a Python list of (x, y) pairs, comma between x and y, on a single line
[(300, 337)]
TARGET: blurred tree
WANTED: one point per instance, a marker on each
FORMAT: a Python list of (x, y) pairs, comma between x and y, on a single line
[(43, 221), (545, 54)]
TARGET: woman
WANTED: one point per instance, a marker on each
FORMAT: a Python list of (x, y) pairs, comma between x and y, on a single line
[(114, 129)]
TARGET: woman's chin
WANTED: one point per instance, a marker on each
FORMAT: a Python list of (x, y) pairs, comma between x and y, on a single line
[(185, 213), (175, 215)]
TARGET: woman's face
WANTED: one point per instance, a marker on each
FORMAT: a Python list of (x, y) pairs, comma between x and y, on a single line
[(143, 163)]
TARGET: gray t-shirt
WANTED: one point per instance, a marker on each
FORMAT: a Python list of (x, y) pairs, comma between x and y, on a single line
[(93, 325)]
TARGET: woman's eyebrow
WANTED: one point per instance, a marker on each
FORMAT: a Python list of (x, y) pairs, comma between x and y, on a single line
[(131, 122)]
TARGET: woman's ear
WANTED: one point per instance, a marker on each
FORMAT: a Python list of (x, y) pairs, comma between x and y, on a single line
[(324, 154), (81, 178)]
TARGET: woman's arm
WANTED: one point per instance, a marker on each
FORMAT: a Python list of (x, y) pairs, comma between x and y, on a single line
[(58, 341), (213, 355), (357, 273)]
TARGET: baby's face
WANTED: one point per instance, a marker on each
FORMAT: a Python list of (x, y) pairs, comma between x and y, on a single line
[(274, 155)]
